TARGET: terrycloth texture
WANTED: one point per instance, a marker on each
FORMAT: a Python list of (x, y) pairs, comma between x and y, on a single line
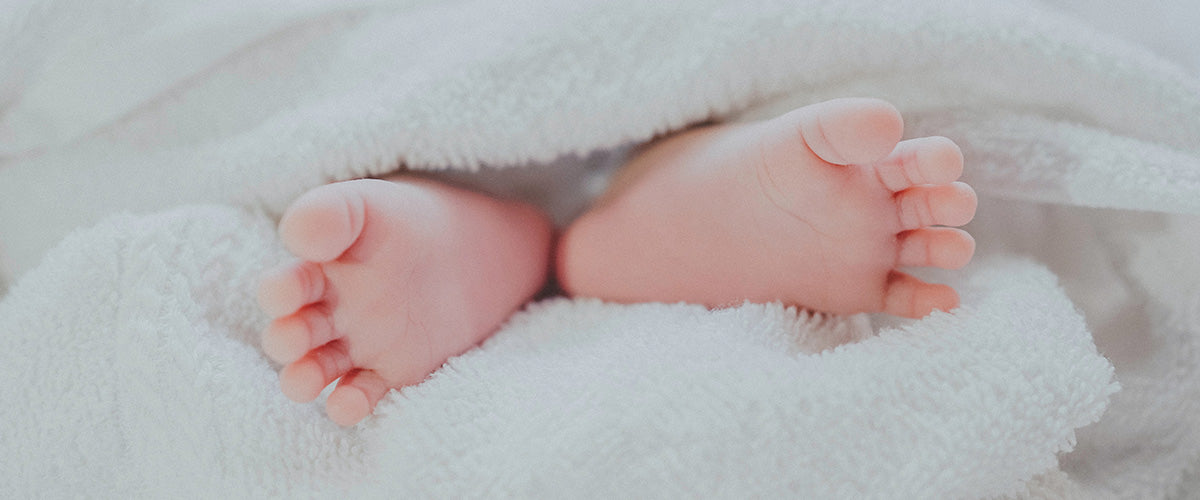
[(572, 398), (133, 352)]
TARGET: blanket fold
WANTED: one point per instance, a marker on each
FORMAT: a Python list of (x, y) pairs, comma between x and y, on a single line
[(137, 204), (572, 397)]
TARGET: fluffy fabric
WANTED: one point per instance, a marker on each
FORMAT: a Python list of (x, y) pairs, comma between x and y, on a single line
[(155, 386), (133, 363)]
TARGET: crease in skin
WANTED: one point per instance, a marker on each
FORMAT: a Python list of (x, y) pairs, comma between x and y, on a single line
[(449, 265), (314, 289), (898, 219), (924, 212), (773, 190), (910, 158), (891, 295), (820, 130), (357, 218), (331, 296), (879, 178), (911, 216), (424, 329), (897, 215), (926, 249), (913, 157), (326, 315), (330, 360)]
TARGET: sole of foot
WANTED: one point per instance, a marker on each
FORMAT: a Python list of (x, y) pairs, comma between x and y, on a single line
[(392, 278), (819, 208)]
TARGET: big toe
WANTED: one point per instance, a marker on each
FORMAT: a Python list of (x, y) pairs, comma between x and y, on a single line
[(321, 224), (849, 131)]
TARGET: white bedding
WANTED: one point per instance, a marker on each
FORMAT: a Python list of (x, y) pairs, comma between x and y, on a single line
[(161, 138)]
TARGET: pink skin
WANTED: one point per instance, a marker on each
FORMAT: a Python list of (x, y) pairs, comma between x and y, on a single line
[(395, 277), (817, 208)]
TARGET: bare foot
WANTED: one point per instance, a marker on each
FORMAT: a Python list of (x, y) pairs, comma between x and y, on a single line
[(816, 208), (395, 277)]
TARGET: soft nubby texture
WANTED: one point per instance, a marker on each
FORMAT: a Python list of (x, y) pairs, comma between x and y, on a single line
[(132, 365)]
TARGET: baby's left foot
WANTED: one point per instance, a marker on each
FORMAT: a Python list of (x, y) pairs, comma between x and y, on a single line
[(817, 208)]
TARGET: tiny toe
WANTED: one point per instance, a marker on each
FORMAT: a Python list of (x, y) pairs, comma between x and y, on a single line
[(910, 297), (940, 205), (287, 288), (303, 380), (944, 247), (320, 225), (355, 397), (288, 338), (849, 131), (927, 160)]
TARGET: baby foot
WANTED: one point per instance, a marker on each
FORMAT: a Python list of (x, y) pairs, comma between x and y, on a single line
[(818, 208), (394, 278)]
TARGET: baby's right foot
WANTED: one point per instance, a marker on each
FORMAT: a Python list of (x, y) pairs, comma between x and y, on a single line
[(394, 279), (820, 208)]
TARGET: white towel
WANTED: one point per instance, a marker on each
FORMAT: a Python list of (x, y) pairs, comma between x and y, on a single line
[(133, 342)]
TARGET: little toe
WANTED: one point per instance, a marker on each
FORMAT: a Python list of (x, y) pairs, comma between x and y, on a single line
[(944, 247), (927, 160), (910, 297), (355, 397), (324, 222), (303, 380), (848, 131), (288, 338), (939, 205), (287, 288)]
